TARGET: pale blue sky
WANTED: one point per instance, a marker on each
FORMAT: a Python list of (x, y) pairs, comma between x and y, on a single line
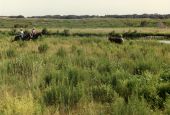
[(82, 7)]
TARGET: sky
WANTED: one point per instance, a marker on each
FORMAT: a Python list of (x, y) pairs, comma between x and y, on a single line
[(83, 7)]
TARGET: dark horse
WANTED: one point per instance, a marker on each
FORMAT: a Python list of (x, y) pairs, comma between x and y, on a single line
[(36, 36), (27, 36)]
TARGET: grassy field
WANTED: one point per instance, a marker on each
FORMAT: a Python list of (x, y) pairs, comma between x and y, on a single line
[(84, 23), (72, 75), (87, 27), (102, 30), (84, 75)]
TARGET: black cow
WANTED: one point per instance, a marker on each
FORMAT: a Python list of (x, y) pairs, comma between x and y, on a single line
[(118, 40)]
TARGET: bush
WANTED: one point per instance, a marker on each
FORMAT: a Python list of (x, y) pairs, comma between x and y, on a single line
[(105, 67), (103, 93), (22, 67), (143, 23), (150, 94), (62, 65), (167, 106), (48, 79), (62, 96), (18, 26), (13, 31), (164, 90), (141, 68), (61, 52), (22, 44), (134, 107), (165, 77), (19, 105), (73, 77), (43, 48), (66, 32), (10, 53), (114, 34), (51, 97)]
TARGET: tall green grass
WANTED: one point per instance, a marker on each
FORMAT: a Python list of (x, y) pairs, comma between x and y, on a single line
[(84, 76)]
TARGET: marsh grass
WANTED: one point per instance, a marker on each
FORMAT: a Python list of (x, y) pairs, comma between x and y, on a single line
[(67, 75)]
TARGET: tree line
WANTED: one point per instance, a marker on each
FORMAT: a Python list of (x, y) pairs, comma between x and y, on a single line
[(152, 16)]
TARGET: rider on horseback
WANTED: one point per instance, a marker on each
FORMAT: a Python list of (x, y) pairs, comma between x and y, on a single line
[(33, 32), (21, 33)]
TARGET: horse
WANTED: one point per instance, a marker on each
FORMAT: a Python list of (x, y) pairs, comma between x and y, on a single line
[(27, 37), (36, 35)]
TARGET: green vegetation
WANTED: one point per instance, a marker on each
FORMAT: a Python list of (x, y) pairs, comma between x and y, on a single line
[(74, 69), (84, 23), (73, 75)]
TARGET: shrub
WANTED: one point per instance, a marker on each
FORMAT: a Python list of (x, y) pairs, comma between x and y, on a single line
[(164, 90), (51, 97), (43, 48), (19, 105), (134, 107), (105, 67), (20, 67), (61, 52), (66, 32), (141, 68), (22, 44), (150, 94), (114, 34), (13, 31), (18, 26), (165, 77), (90, 63), (62, 96), (143, 23), (10, 53), (125, 90), (167, 106), (160, 25), (73, 77), (103, 93), (48, 79), (62, 65)]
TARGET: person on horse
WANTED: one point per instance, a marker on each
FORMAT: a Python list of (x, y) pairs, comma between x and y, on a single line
[(21, 33), (33, 32)]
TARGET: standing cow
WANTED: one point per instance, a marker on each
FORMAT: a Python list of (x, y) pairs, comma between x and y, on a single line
[(117, 38)]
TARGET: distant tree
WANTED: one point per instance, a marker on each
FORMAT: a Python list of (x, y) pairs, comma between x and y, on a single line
[(18, 26), (143, 23), (161, 25), (66, 32), (19, 16)]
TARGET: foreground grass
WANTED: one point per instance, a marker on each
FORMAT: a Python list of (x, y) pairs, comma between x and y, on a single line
[(84, 76)]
